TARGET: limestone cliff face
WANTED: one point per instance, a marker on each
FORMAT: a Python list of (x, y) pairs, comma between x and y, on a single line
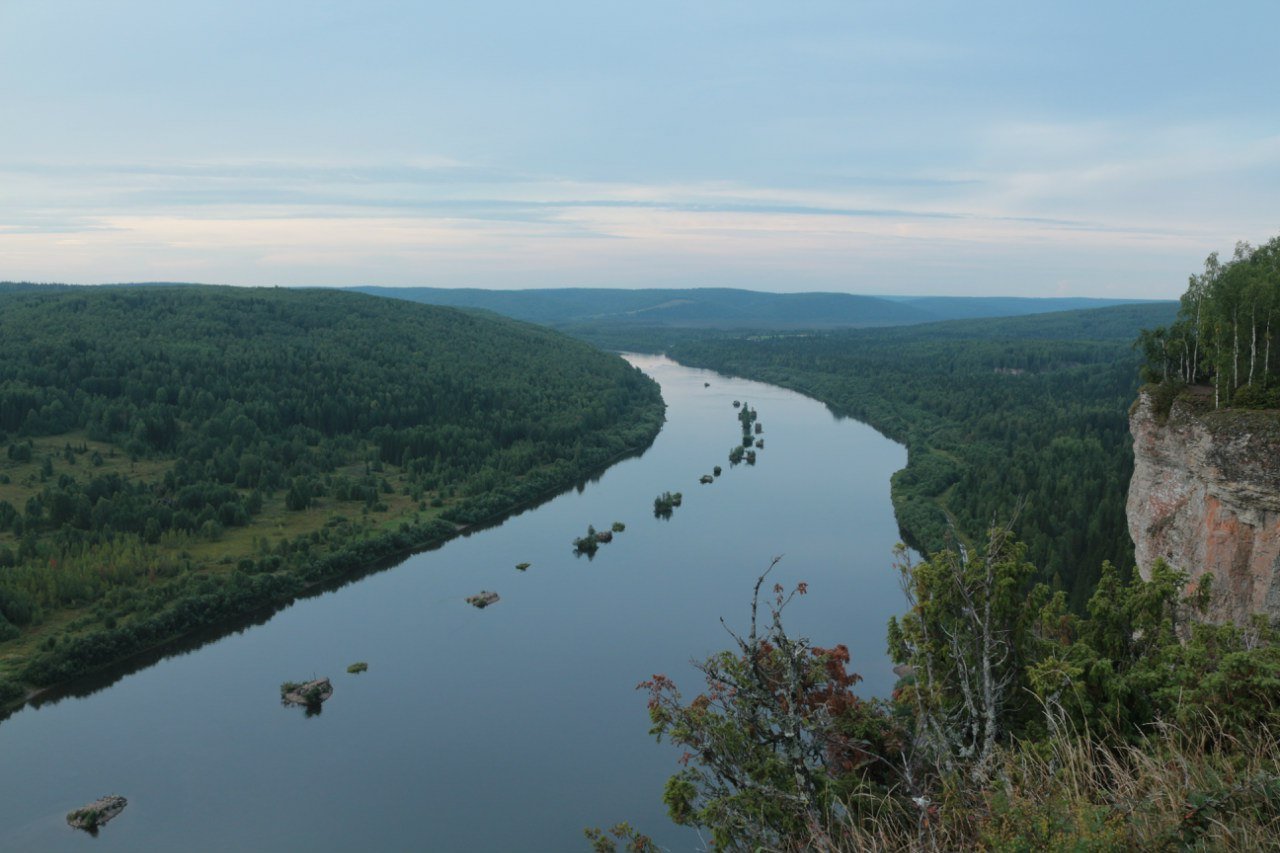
[(1205, 496)]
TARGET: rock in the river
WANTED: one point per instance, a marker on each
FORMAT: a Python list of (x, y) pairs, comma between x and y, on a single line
[(482, 599), (94, 815), (308, 693)]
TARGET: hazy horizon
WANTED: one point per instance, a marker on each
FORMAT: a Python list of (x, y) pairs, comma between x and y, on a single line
[(886, 296), (992, 149)]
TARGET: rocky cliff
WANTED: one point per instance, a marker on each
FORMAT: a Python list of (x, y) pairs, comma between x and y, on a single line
[(1205, 496)]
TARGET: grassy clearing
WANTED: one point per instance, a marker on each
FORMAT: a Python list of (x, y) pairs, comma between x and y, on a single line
[(74, 456)]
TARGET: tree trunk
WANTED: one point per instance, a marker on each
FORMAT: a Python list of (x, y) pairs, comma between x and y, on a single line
[(1195, 354), (1266, 360), (1235, 350), (1253, 342)]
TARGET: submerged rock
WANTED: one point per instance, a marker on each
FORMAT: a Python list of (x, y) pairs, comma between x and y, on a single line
[(94, 815)]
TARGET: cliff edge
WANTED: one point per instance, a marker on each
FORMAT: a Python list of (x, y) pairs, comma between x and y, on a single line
[(1205, 496)]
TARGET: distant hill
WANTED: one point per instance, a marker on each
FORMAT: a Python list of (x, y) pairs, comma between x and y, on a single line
[(973, 307), (1115, 322), (727, 308), (586, 310), (30, 286)]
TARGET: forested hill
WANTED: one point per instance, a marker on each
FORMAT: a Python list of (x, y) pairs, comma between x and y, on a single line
[(227, 446), (993, 412), (725, 308)]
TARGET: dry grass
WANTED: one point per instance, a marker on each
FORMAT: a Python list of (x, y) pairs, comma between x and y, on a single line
[(1172, 791)]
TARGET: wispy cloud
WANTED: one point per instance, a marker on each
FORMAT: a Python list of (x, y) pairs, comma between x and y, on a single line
[(1049, 188)]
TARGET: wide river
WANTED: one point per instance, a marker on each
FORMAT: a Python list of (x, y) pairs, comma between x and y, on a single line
[(509, 728)]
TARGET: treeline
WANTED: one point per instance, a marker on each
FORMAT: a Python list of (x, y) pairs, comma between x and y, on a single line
[(994, 413), (139, 426), (1226, 329)]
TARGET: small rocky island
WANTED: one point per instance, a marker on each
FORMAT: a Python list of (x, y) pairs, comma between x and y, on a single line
[(97, 813), (590, 543), (307, 693), (664, 503), (482, 599)]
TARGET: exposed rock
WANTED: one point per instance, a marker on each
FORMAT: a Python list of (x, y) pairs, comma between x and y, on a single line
[(94, 815), (1205, 496), (308, 693), (482, 599)]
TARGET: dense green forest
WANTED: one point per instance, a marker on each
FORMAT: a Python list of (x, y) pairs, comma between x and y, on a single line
[(170, 457), (1224, 333), (995, 414)]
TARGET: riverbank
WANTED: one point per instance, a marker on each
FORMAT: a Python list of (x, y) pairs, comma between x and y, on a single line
[(204, 600)]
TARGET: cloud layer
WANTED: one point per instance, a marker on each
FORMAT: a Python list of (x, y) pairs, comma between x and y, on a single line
[(846, 147)]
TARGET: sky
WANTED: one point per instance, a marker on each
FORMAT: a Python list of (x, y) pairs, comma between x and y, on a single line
[(953, 148)]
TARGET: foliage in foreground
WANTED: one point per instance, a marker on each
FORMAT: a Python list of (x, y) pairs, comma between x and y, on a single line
[(778, 738), (1017, 725)]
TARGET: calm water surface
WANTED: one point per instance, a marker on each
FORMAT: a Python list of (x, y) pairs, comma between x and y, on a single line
[(510, 728)]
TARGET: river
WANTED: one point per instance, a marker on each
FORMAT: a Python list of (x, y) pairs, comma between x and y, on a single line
[(509, 728)]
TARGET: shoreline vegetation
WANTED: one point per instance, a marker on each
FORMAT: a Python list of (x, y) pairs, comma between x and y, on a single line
[(172, 460)]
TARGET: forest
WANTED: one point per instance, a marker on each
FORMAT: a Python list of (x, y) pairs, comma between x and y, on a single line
[(996, 414), (1227, 323), (173, 457)]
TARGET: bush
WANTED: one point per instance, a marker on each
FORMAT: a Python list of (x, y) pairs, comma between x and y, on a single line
[(1256, 397), (10, 691)]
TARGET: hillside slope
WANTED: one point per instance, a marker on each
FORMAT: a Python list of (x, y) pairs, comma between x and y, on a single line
[(175, 456)]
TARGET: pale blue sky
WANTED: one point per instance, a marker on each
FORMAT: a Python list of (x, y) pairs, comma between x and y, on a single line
[(1019, 148)]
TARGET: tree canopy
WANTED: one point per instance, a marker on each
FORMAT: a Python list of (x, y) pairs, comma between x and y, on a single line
[(1226, 330), (147, 434)]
